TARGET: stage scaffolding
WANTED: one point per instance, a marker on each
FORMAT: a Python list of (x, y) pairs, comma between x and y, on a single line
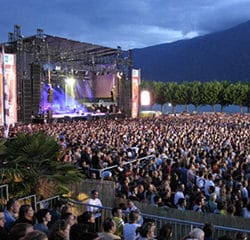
[(43, 58)]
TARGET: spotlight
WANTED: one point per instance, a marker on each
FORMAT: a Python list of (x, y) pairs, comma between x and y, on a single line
[(119, 75), (70, 81)]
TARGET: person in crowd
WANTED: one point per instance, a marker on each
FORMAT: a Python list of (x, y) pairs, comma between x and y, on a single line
[(56, 212), (26, 214), (208, 229), (20, 230), (199, 204), (109, 228), (130, 228), (79, 231), (147, 231), (11, 213), (182, 204), (60, 230), (117, 215), (240, 236), (179, 193), (211, 204), (165, 232), (95, 206), (3, 231), (69, 217), (132, 207), (43, 217), (36, 235), (197, 233), (87, 218)]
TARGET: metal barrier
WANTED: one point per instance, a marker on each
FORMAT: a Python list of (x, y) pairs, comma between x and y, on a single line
[(181, 228), (47, 203), (31, 200), (113, 167), (4, 194)]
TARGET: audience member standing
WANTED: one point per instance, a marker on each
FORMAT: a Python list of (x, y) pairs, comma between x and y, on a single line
[(109, 228), (3, 232), (11, 213), (94, 206), (26, 215), (130, 228), (43, 218)]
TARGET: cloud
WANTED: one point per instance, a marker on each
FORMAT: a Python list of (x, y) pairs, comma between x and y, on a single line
[(130, 23)]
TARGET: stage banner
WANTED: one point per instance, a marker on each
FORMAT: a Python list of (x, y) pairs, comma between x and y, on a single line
[(8, 73), (136, 75)]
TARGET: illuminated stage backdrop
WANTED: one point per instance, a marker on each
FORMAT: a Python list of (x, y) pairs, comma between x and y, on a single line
[(8, 67)]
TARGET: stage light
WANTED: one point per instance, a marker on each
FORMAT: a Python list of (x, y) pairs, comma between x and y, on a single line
[(70, 81), (145, 98), (119, 75)]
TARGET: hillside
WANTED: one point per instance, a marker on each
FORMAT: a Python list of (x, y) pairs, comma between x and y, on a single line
[(222, 55)]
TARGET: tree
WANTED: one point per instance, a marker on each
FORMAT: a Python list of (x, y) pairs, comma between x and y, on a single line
[(159, 94), (211, 92), (185, 94), (173, 94), (222, 100), (31, 159), (246, 100)]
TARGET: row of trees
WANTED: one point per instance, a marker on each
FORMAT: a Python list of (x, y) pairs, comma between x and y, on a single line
[(199, 94)]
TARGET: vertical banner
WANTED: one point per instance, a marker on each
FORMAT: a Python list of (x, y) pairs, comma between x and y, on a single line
[(135, 92), (8, 102)]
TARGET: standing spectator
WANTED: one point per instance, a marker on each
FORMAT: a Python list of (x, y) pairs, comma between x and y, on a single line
[(147, 231), (117, 217), (179, 193), (109, 228), (165, 232), (60, 230), (209, 185), (94, 206), (43, 218), (211, 205), (130, 228), (26, 215), (20, 230), (11, 213), (88, 219), (56, 212), (78, 231), (208, 229), (197, 233), (3, 232), (36, 235), (132, 207), (182, 204), (199, 204), (240, 236)]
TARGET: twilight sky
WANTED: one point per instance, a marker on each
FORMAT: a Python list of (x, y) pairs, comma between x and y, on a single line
[(125, 23)]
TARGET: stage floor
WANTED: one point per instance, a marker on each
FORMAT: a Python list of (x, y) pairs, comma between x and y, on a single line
[(77, 115)]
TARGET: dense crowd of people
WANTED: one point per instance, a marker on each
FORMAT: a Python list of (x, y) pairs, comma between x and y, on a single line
[(198, 162)]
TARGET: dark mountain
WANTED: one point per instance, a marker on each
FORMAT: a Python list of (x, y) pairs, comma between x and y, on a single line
[(219, 56)]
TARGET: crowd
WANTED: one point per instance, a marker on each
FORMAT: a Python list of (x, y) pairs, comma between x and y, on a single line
[(59, 223), (200, 162)]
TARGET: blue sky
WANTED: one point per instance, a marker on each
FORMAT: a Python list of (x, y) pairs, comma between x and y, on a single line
[(126, 23)]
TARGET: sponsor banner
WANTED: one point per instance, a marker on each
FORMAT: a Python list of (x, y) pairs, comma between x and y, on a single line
[(135, 92), (8, 74)]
